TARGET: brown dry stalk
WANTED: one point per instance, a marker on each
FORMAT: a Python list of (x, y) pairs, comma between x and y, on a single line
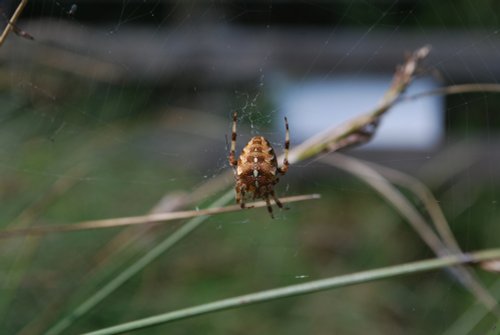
[(139, 220), (361, 129), (11, 24), (456, 89)]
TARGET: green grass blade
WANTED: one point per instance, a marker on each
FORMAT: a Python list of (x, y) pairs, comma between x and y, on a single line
[(305, 288), (135, 268)]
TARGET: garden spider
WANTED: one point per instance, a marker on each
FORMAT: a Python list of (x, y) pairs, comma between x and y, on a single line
[(256, 170)]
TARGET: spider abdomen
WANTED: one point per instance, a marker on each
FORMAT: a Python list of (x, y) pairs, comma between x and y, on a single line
[(257, 166)]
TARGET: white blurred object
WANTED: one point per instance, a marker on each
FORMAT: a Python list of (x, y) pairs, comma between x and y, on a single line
[(312, 106)]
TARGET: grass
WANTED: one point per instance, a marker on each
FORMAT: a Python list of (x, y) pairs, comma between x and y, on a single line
[(299, 289), (128, 163)]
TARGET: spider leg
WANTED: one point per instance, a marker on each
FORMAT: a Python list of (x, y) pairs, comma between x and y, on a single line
[(232, 159), (240, 196), (284, 168), (269, 208), (276, 200)]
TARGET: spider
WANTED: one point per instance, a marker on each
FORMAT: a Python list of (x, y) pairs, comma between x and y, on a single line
[(256, 169)]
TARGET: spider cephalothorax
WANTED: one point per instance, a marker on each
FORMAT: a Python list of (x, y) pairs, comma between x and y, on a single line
[(256, 170)]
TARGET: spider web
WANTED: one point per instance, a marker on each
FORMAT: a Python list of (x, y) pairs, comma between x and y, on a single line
[(114, 105)]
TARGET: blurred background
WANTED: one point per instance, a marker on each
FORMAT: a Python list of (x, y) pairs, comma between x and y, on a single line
[(120, 108)]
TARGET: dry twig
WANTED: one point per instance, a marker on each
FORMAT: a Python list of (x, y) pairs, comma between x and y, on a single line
[(140, 220), (11, 24), (456, 89), (362, 128)]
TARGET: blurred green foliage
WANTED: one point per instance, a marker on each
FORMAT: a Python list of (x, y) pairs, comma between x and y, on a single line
[(473, 114), (130, 159), (120, 148)]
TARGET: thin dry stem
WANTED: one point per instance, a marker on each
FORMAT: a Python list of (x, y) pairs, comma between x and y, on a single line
[(140, 220), (455, 89), (10, 25), (362, 128)]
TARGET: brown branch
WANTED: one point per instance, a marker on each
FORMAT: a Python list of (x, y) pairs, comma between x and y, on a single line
[(362, 128), (11, 23), (139, 220)]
